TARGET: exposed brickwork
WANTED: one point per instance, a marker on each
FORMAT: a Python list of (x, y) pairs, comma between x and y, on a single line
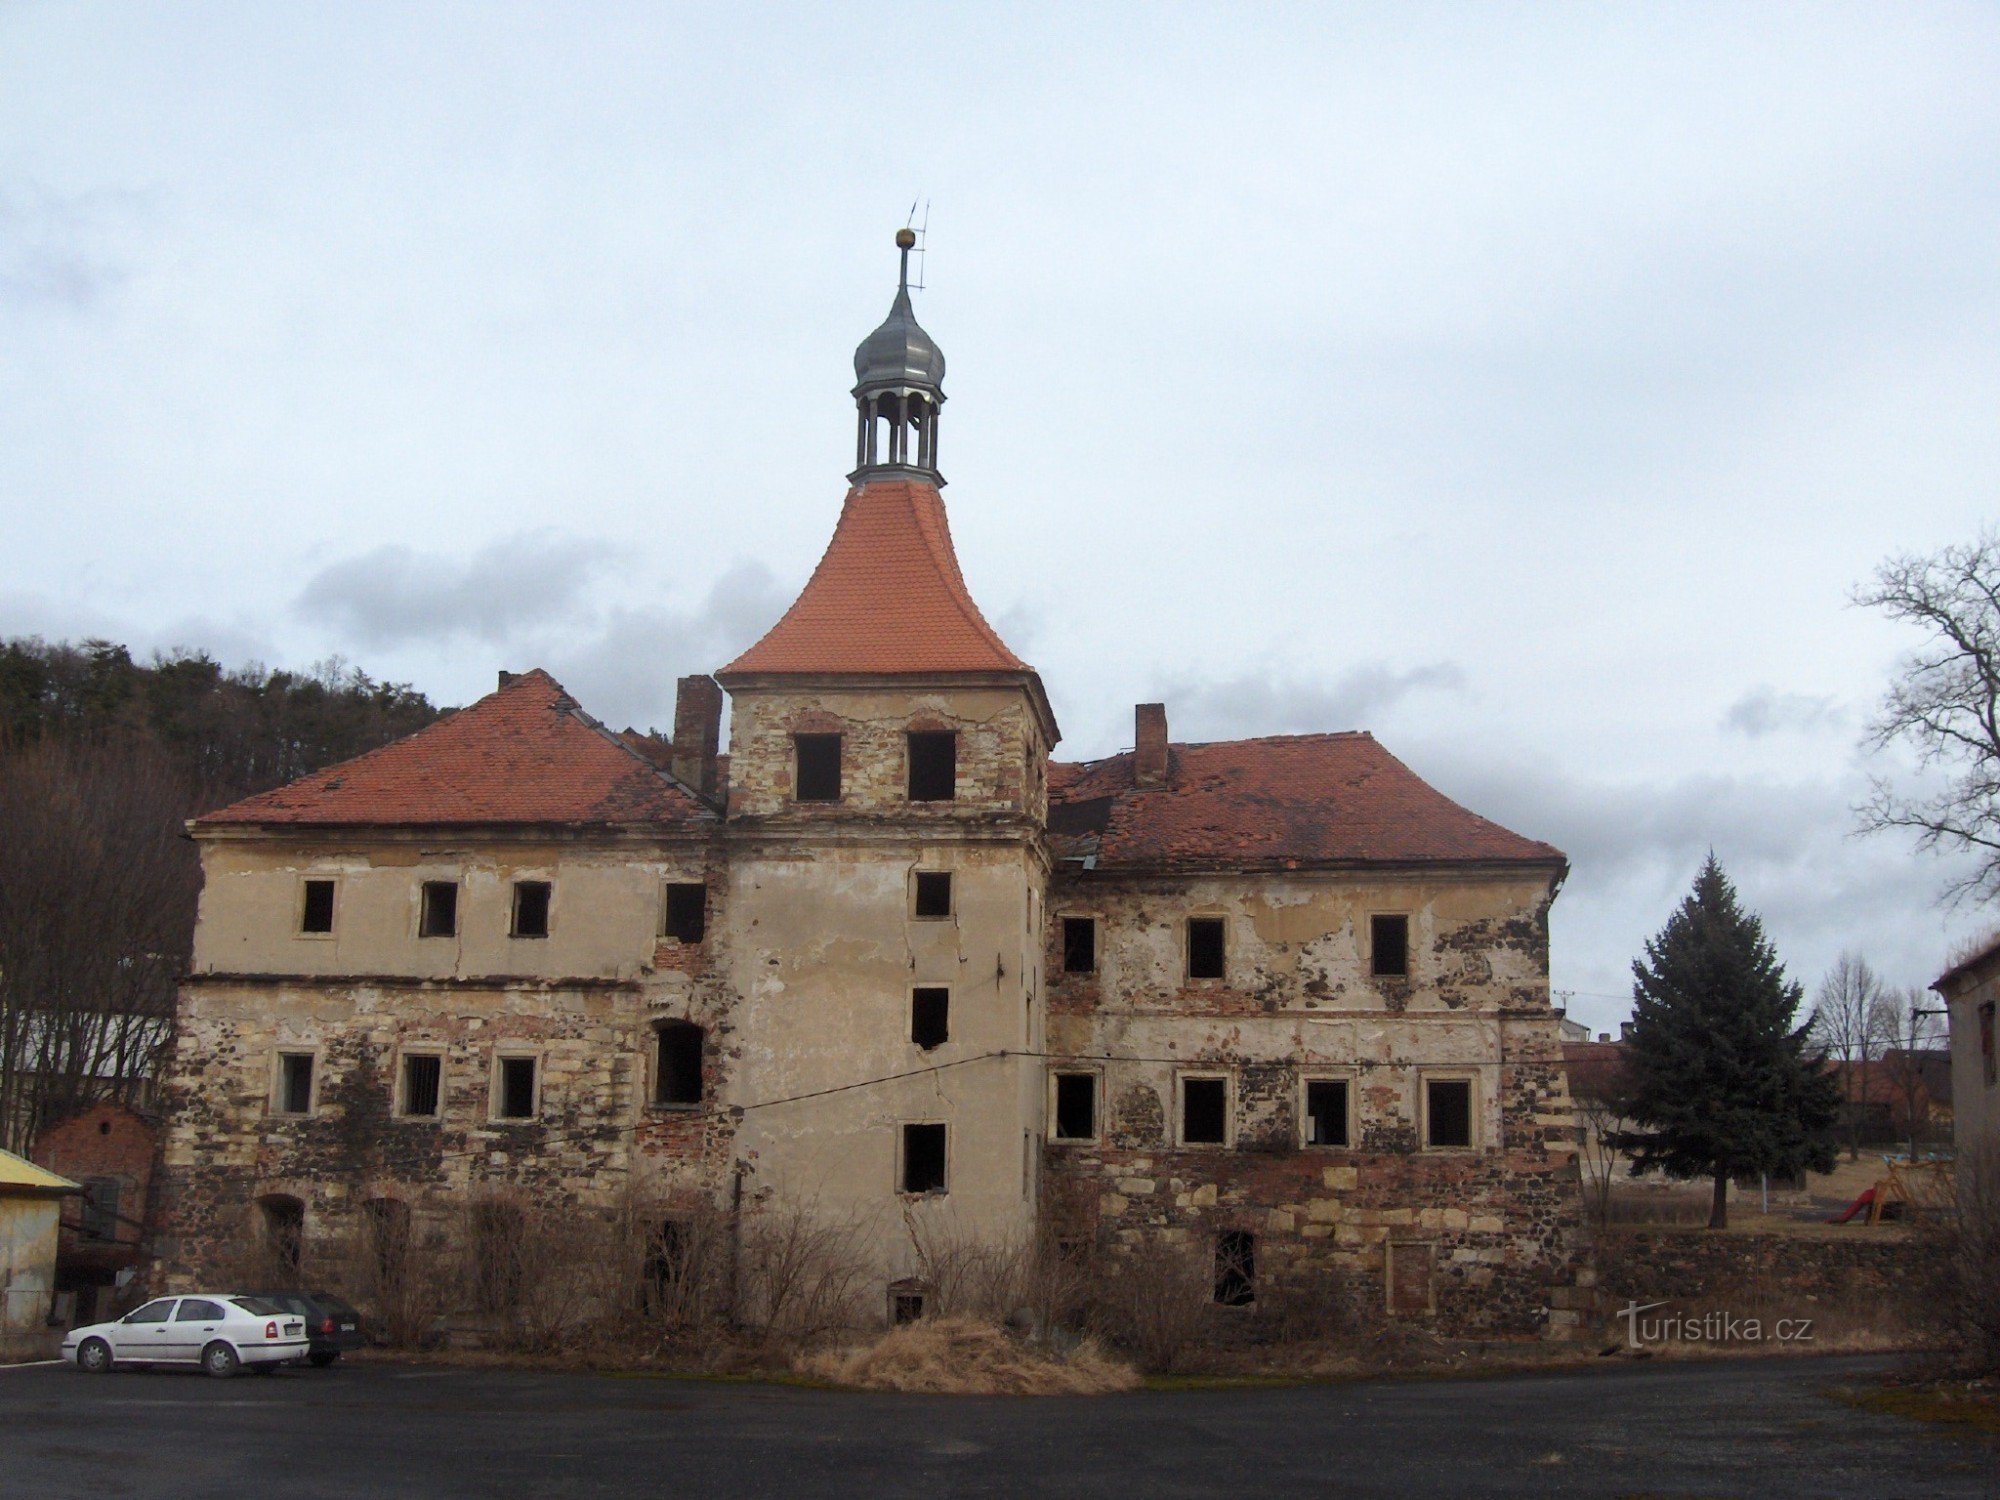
[(111, 1141)]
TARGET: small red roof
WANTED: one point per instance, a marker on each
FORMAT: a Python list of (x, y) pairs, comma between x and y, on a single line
[(887, 598), (1306, 798), (523, 754)]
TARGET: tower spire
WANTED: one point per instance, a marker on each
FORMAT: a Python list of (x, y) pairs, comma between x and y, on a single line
[(899, 387)]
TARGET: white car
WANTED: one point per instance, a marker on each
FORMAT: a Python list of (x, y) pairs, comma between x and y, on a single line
[(220, 1333)]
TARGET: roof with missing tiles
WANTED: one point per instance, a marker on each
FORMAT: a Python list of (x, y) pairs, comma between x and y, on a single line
[(1307, 799), (524, 754), (887, 598)]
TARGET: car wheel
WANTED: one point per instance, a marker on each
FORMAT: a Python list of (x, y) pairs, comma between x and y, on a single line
[(321, 1358), (94, 1356), (220, 1360)]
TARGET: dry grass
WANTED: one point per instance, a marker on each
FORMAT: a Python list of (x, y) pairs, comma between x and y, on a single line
[(966, 1356)]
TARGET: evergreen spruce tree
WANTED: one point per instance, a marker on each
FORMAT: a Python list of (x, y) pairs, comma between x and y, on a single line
[(1722, 1083)]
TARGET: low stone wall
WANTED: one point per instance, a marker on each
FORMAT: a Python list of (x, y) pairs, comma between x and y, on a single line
[(1688, 1265)]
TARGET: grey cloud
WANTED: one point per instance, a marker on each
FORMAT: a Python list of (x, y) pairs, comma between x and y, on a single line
[(1260, 703), (50, 246), (395, 594), (1764, 710)]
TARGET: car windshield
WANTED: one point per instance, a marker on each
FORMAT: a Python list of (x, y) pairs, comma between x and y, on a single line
[(334, 1305), (258, 1306)]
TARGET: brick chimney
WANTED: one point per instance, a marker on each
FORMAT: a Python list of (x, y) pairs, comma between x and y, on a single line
[(1149, 739), (697, 732)]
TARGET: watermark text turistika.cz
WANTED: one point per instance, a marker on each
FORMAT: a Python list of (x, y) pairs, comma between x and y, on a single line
[(1708, 1327)]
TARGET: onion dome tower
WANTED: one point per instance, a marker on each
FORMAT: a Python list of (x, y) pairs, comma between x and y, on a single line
[(898, 388)]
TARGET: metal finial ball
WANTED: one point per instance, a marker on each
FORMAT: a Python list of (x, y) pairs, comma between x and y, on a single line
[(905, 238)]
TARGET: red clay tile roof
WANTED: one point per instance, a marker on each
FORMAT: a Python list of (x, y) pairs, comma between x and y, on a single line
[(1596, 1069), (886, 599), (1306, 799), (523, 754)]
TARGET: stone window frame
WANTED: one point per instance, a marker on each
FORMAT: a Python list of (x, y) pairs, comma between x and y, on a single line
[(1228, 1077), (1099, 926), (1349, 1076), (950, 913), (494, 1094), (1187, 922), (1096, 1076), (398, 1101), (1409, 945), (299, 909), (1474, 1109), (275, 1093), (902, 1127)]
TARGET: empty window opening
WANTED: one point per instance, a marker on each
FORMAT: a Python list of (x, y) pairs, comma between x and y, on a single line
[(906, 1305), (388, 1222), (933, 765), (1076, 1106), (423, 1073), (1204, 1111), (1236, 1268), (933, 893), (1204, 947), (930, 1017), (531, 908), (1389, 947), (100, 1209), (1326, 1112), (923, 1158), (677, 1079), (818, 774), (438, 916), (1079, 945), (284, 1226), (669, 1259), (1986, 1048), (295, 1083), (517, 1088), (1448, 1111), (316, 908), (687, 911)]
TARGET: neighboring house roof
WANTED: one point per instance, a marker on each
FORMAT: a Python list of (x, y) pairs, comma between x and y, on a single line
[(1286, 800), (1929, 1066), (887, 598), (524, 754), (20, 1177), (1596, 1069)]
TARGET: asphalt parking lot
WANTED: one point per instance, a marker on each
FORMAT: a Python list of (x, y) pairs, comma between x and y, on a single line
[(1755, 1427)]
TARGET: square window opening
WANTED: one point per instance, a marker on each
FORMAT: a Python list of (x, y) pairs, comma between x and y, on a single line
[(930, 1016), (1448, 1111), (438, 915), (1204, 947), (423, 1078), (1204, 1111), (1326, 1112), (1988, 1063), (531, 908), (1389, 947), (923, 1158), (517, 1088), (905, 1307), (1079, 936), (1076, 1106), (677, 1078), (316, 908), (295, 1083), (933, 893), (933, 765), (817, 777), (687, 911), (1236, 1268)]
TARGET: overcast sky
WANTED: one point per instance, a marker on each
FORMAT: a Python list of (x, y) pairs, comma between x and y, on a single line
[(1529, 385)]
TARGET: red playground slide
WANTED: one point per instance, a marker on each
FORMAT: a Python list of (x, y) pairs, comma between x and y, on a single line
[(1867, 1197)]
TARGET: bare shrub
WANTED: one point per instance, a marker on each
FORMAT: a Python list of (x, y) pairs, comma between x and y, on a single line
[(1958, 1302), (1313, 1304), (1641, 1205), (671, 1262), (972, 1357), (539, 1267), (1153, 1300), (401, 1266), (799, 1275)]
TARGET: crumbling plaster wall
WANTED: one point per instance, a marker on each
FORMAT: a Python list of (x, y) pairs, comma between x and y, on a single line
[(1502, 1219)]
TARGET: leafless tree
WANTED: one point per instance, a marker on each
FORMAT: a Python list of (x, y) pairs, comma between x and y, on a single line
[(97, 893), (1851, 1022), (1914, 1036), (1945, 704)]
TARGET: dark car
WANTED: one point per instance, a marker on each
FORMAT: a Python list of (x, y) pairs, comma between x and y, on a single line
[(332, 1325)]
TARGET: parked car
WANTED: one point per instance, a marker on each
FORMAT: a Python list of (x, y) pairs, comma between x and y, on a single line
[(222, 1332), (332, 1325)]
